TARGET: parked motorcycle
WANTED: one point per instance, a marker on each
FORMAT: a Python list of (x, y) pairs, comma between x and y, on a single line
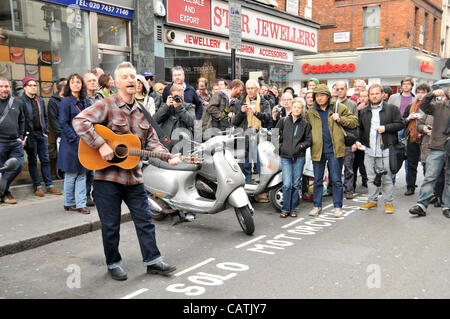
[(204, 189)]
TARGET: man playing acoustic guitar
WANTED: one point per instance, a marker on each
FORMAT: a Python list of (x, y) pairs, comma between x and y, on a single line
[(112, 185)]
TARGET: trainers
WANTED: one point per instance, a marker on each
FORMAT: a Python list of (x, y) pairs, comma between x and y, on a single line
[(54, 191), (315, 211), (409, 192), (9, 199), (190, 217), (368, 205), (417, 210), (388, 208), (337, 212), (261, 198), (39, 192), (349, 196)]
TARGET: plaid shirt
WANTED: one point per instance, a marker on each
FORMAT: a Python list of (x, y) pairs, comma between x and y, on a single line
[(114, 113)]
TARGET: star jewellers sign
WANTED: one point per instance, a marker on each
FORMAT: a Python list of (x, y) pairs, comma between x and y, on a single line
[(213, 15)]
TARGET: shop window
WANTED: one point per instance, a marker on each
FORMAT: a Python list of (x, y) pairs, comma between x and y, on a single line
[(54, 43), (113, 31), (371, 26), (214, 67), (11, 15)]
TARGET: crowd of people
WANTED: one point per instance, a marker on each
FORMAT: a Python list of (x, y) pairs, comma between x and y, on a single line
[(342, 134)]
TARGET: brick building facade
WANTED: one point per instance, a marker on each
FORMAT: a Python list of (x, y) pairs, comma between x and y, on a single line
[(384, 40)]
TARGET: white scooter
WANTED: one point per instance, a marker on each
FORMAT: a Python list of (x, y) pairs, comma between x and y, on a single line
[(203, 189)]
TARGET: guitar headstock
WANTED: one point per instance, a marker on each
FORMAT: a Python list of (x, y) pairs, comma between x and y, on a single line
[(191, 159)]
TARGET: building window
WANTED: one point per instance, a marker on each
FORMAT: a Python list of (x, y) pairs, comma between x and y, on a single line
[(416, 13), (371, 26), (425, 22), (434, 35), (53, 43), (308, 9), (11, 15)]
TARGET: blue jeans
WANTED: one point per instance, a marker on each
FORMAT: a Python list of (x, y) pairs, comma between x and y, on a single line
[(335, 165), (292, 170), (39, 147), (435, 162), (75, 189), (9, 150), (108, 198)]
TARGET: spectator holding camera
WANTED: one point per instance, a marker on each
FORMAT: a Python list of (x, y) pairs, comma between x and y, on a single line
[(175, 113), (284, 109), (436, 104), (412, 115), (379, 123)]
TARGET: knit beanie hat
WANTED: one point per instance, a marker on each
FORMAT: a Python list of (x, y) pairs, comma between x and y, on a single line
[(26, 80), (314, 80)]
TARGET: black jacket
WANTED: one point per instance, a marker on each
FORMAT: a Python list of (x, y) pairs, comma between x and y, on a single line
[(390, 117), (170, 118), (13, 125), (294, 138), (53, 114), (240, 118)]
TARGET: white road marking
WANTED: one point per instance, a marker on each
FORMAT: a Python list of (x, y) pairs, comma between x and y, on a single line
[(293, 223), (134, 294), (194, 267), (249, 242)]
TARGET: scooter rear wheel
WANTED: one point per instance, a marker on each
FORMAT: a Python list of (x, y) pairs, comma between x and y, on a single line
[(276, 197), (245, 219)]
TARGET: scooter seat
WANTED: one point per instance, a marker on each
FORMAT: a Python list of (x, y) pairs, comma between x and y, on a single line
[(180, 167)]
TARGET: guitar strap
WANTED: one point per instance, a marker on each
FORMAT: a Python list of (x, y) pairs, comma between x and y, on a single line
[(163, 138)]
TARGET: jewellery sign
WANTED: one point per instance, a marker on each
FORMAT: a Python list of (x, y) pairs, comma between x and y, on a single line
[(214, 15), (200, 41)]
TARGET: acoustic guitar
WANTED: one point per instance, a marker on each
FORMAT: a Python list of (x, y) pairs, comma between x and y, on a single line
[(127, 151)]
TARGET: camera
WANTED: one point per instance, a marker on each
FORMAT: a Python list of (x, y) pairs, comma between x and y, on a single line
[(439, 97), (177, 99), (279, 109), (379, 172)]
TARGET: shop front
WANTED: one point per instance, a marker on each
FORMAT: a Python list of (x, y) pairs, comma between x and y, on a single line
[(386, 67), (51, 39), (196, 36)]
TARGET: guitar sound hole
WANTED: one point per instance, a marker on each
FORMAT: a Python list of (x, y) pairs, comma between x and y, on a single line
[(121, 151)]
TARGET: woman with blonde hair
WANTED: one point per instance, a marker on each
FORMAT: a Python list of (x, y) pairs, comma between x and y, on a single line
[(295, 137)]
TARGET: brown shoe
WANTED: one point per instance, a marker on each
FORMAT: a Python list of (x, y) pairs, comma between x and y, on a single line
[(54, 191), (261, 198), (39, 192), (84, 210), (66, 208), (9, 199)]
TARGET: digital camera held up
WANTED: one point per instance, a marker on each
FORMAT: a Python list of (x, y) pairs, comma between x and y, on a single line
[(177, 99)]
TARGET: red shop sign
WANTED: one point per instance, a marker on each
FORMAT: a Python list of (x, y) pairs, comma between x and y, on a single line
[(426, 67), (191, 13), (328, 68)]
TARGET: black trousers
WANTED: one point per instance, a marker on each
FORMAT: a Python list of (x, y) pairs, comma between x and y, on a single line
[(413, 156), (358, 163)]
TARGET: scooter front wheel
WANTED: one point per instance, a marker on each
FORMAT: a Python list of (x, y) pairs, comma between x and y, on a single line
[(276, 197), (244, 216)]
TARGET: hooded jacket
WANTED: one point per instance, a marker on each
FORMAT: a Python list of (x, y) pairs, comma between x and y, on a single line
[(149, 103), (53, 114), (347, 119)]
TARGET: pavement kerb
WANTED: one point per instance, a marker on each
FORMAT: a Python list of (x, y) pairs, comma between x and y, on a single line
[(21, 192)]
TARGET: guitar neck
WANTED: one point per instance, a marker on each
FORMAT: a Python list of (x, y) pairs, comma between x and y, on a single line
[(142, 153)]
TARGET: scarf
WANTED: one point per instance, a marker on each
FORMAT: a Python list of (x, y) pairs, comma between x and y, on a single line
[(252, 120), (414, 134)]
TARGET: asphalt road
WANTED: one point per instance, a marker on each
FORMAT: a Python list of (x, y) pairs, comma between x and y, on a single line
[(362, 255)]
